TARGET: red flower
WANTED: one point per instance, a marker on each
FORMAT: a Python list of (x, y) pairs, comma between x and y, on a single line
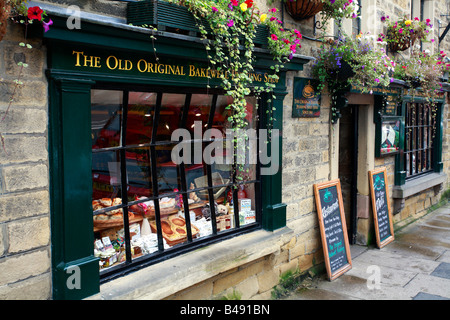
[(35, 13), (249, 3)]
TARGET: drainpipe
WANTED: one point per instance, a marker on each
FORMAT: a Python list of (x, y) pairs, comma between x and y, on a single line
[(354, 189)]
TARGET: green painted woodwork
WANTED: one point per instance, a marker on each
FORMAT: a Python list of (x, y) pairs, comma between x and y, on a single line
[(70, 82), (71, 189), (400, 172)]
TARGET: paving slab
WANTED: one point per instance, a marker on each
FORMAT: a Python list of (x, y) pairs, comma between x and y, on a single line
[(428, 284), (415, 266), (427, 296)]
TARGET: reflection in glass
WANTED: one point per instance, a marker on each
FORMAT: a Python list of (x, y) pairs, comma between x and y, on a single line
[(106, 178), (198, 113), (141, 108), (138, 173), (170, 115), (106, 118), (167, 171)]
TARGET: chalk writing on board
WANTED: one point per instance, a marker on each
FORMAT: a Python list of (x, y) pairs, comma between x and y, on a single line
[(380, 204), (333, 228)]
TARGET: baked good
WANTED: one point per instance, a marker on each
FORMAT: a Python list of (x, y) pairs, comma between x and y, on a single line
[(101, 217), (106, 202), (116, 216), (166, 202)]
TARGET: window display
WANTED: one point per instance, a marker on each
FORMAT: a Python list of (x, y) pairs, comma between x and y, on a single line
[(144, 204)]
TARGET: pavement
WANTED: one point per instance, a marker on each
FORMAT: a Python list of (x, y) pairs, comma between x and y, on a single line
[(415, 266)]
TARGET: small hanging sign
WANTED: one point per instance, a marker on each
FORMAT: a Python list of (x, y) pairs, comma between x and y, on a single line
[(306, 102)]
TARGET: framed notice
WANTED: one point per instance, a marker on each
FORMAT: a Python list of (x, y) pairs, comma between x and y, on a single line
[(388, 136), (333, 228), (381, 207), (306, 103)]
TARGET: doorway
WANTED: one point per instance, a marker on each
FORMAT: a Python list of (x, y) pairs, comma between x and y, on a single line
[(348, 166)]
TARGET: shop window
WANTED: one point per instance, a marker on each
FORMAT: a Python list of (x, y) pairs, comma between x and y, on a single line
[(146, 206), (420, 130)]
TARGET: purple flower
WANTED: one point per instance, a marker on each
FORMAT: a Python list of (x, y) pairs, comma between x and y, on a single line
[(332, 1), (47, 25)]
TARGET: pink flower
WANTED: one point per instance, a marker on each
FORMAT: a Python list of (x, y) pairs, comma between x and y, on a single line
[(274, 37), (47, 25), (234, 2), (214, 9), (273, 10), (293, 48), (400, 30), (230, 23)]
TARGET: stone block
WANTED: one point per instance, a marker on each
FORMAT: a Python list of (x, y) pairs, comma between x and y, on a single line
[(33, 57), (18, 178), (23, 266), (267, 280), (35, 288), (248, 288), (24, 120), (22, 205), (24, 149), (30, 93), (28, 234), (2, 242)]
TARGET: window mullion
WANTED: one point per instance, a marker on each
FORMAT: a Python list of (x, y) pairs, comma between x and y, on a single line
[(154, 175), (182, 171), (123, 176)]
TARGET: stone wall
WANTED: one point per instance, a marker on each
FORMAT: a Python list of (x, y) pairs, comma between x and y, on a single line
[(310, 155), (24, 181)]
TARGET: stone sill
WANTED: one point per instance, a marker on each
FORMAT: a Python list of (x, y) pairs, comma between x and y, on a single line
[(173, 275), (414, 186)]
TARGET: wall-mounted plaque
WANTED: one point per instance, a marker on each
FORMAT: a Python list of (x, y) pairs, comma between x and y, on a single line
[(306, 102)]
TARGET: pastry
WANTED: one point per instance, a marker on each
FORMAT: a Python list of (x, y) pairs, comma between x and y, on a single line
[(116, 216), (193, 195), (106, 202), (165, 203), (101, 217)]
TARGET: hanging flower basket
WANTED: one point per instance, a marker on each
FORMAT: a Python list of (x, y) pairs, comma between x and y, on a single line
[(402, 44), (303, 9)]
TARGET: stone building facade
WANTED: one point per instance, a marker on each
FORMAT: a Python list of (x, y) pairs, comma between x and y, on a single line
[(313, 149)]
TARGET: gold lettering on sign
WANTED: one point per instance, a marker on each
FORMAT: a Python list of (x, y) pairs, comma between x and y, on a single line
[(142, 65), (88, 61)]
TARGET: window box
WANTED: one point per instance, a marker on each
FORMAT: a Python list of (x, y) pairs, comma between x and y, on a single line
[(167, 16)]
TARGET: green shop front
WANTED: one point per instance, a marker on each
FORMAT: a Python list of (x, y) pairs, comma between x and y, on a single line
[(119, 202)]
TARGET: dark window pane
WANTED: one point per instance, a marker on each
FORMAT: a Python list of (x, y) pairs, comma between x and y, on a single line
[(106, 118), (167, 172), (141, 112), (198, 114), (170, 115), (138, 173), (106, 175)]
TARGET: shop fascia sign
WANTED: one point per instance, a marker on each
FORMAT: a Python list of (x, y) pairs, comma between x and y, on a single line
[(136, 65)]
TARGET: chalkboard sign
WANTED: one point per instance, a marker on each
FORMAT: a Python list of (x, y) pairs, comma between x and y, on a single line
[(381, 207), (333, 229)]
